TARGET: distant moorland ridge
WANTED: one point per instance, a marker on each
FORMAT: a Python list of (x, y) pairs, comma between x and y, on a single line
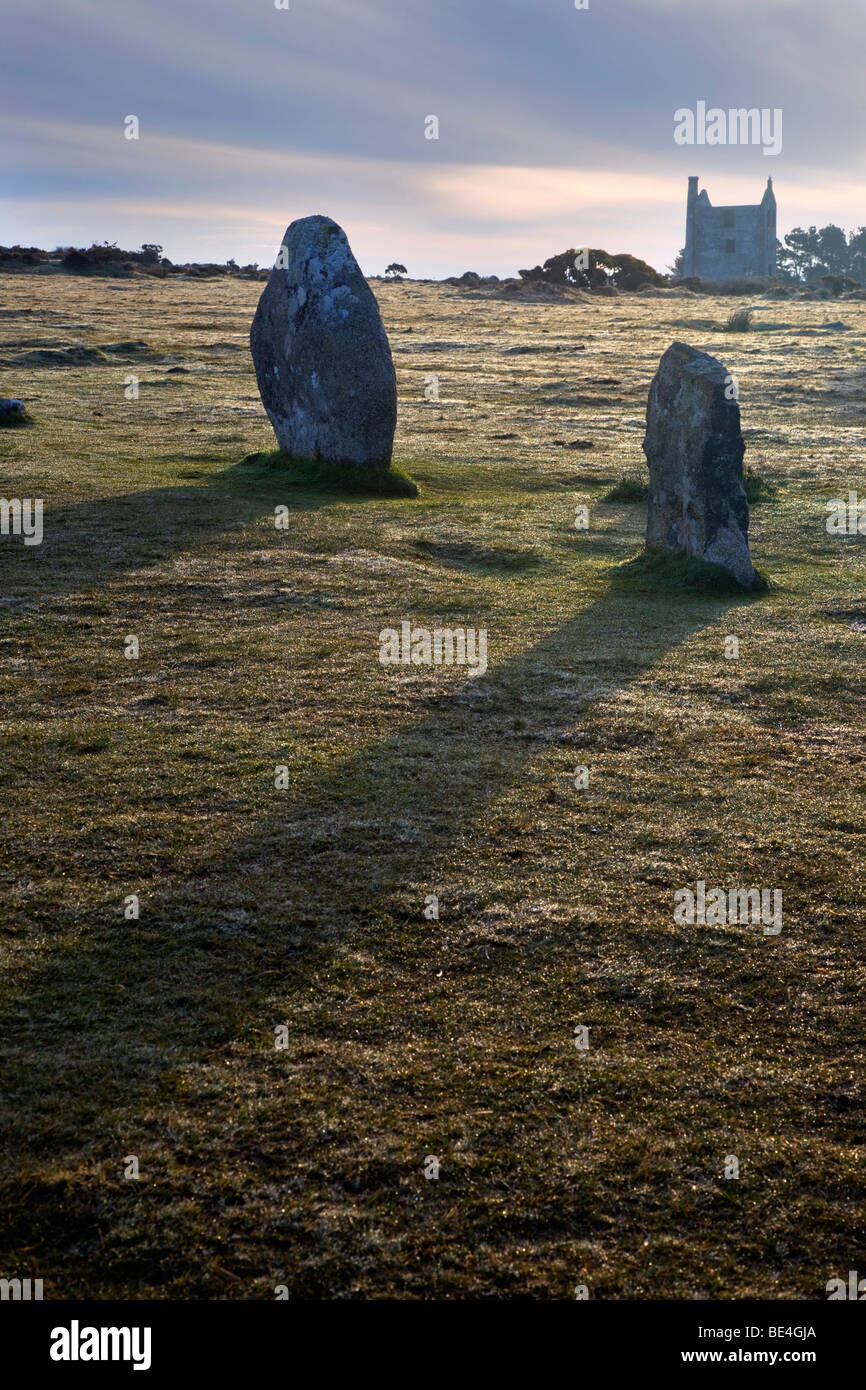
[(561, 276)]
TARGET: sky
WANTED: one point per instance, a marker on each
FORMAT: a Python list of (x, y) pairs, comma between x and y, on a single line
[(555, 124)]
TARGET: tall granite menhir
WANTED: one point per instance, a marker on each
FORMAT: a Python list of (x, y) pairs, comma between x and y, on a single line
[(694, 449), (321, 354)]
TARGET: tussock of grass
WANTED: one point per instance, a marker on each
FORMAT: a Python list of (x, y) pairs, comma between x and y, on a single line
[(758, 488), (740, 321), (669, 573), (333, 477), (631, 487)]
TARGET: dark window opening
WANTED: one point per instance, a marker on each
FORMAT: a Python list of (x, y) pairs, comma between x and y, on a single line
[(730, 247), (727, 219)]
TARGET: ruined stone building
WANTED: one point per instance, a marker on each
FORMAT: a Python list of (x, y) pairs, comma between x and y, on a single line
[(732, 241)]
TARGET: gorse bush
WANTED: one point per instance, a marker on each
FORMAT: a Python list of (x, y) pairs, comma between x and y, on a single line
[(623, 272)]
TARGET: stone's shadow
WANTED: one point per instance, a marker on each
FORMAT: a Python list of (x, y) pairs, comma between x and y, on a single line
[(90, 543), (325, 860), (471, 745)]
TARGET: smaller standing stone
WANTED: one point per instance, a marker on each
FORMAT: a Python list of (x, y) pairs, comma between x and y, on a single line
[(694, 449), (12, 411)]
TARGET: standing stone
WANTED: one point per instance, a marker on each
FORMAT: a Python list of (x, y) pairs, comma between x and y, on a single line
[(694, 449), (321, 354)]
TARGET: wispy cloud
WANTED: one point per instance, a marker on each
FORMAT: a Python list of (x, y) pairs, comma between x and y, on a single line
[(555, 124)]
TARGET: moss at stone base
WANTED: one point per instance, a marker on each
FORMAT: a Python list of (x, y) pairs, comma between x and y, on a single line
[(654, 570), (333, 477)]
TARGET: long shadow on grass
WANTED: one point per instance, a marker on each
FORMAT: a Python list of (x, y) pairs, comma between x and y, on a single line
[(346, 840), (133, 1008), (90, 544)]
